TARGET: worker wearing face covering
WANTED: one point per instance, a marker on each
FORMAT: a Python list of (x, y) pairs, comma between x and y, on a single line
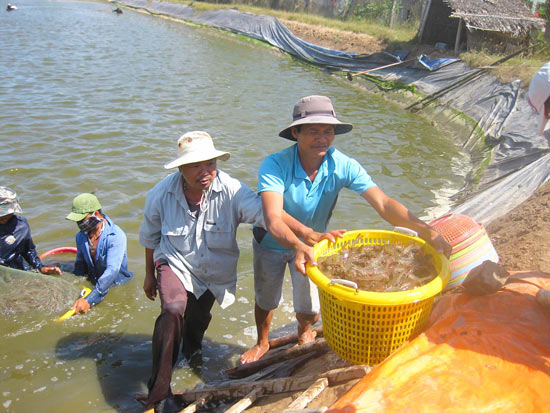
[(101, 250)]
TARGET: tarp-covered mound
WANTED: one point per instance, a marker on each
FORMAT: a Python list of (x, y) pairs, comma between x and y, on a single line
[(489, 353), (25, 291)]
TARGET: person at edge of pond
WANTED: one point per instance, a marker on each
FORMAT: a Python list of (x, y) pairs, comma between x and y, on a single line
[(304, 180), (100, 250), (17, 249), (539, 96), (189, 234)]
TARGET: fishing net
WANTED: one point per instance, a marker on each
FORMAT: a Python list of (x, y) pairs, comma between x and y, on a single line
[(25, 291)]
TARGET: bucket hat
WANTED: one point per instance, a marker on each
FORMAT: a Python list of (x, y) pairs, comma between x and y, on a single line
[(539, 92), (9, 204), (315, 109), (83, 204), (196, 146)]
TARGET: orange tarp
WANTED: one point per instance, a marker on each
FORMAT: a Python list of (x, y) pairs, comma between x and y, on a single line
[(488, 353)]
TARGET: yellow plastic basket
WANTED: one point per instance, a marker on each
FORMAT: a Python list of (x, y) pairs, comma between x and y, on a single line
[(366, 327)]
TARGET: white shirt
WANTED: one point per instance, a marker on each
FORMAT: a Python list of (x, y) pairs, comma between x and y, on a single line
[(202, 251)]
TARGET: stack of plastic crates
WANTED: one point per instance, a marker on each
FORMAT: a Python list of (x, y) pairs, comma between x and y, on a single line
[(366, 327), (470, 242)]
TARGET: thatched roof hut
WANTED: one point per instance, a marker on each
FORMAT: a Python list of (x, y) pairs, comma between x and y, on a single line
[(501, 25)]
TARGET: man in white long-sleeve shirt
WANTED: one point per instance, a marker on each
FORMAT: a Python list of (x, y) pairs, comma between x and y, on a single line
[(189, 234)]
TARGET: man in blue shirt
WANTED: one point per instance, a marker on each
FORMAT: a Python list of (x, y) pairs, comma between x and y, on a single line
[(101, 250), (17, 250), (304, 180)]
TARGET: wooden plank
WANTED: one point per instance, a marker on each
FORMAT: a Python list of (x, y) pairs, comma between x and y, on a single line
[(293, 352), (193, 407), (393, 14), (246, 401), (427, 6), (291, 338), (273, 386), (306, 397), (458, 35)]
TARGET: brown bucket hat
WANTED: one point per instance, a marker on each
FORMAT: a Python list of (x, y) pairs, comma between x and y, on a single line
[(315, 109)]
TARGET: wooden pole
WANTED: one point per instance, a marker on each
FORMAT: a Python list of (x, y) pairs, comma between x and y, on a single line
[(292, 338), (428, 4), (422, 103), (193, 407), (273, 386), (306, 397), (458, 35), (393, 14), (246, 401), (293, 352)]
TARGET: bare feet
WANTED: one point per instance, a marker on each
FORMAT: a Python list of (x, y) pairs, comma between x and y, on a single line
[(254, 354), (307, 336)]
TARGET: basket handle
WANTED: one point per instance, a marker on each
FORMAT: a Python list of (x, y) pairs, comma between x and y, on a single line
[(406, 231), (347, 283)]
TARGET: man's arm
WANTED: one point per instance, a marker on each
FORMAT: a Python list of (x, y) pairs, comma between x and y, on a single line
[(310, 236), (116, 249), (398, 215), (150, 282), (272, 206)]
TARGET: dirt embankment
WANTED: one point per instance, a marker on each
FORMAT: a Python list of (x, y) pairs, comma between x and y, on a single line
[(522, 236), (350, 42)]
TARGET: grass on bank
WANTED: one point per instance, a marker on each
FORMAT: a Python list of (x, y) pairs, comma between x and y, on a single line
[(522, 68), (400, 37), (399, 34)]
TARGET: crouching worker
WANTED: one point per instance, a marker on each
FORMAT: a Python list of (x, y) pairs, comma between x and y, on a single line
[(17, 250), (101, 250), (189, 234)]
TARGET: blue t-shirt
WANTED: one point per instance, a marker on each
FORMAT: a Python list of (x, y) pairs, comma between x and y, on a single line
[(311, 203)]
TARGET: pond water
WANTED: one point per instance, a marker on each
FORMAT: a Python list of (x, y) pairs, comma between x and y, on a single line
[(94, 101)]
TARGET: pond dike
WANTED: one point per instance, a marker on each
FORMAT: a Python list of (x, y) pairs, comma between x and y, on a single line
[(491, 120)]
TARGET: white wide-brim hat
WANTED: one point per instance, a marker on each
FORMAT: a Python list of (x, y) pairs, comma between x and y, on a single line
[(314, 109), (539, 92), (196, 146)]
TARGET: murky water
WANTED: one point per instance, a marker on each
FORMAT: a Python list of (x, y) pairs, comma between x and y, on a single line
[(93, 101)]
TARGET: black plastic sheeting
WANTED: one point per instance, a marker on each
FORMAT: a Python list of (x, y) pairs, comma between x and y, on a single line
[(519, 158)]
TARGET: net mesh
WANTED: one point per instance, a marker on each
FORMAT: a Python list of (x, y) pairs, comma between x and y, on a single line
[(25, 291)]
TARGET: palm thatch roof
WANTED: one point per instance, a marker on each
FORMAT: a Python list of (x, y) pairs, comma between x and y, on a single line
[(507, 16)]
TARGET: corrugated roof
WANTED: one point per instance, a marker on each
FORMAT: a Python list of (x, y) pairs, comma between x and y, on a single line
[(508, 16)]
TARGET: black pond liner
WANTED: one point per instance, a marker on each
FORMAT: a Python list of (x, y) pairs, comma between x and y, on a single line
[(510, 159)]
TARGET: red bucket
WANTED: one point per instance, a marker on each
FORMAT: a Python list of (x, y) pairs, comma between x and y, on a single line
[(470, 242)]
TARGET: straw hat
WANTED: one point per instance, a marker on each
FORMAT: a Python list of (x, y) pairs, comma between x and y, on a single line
[(194, 147)]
